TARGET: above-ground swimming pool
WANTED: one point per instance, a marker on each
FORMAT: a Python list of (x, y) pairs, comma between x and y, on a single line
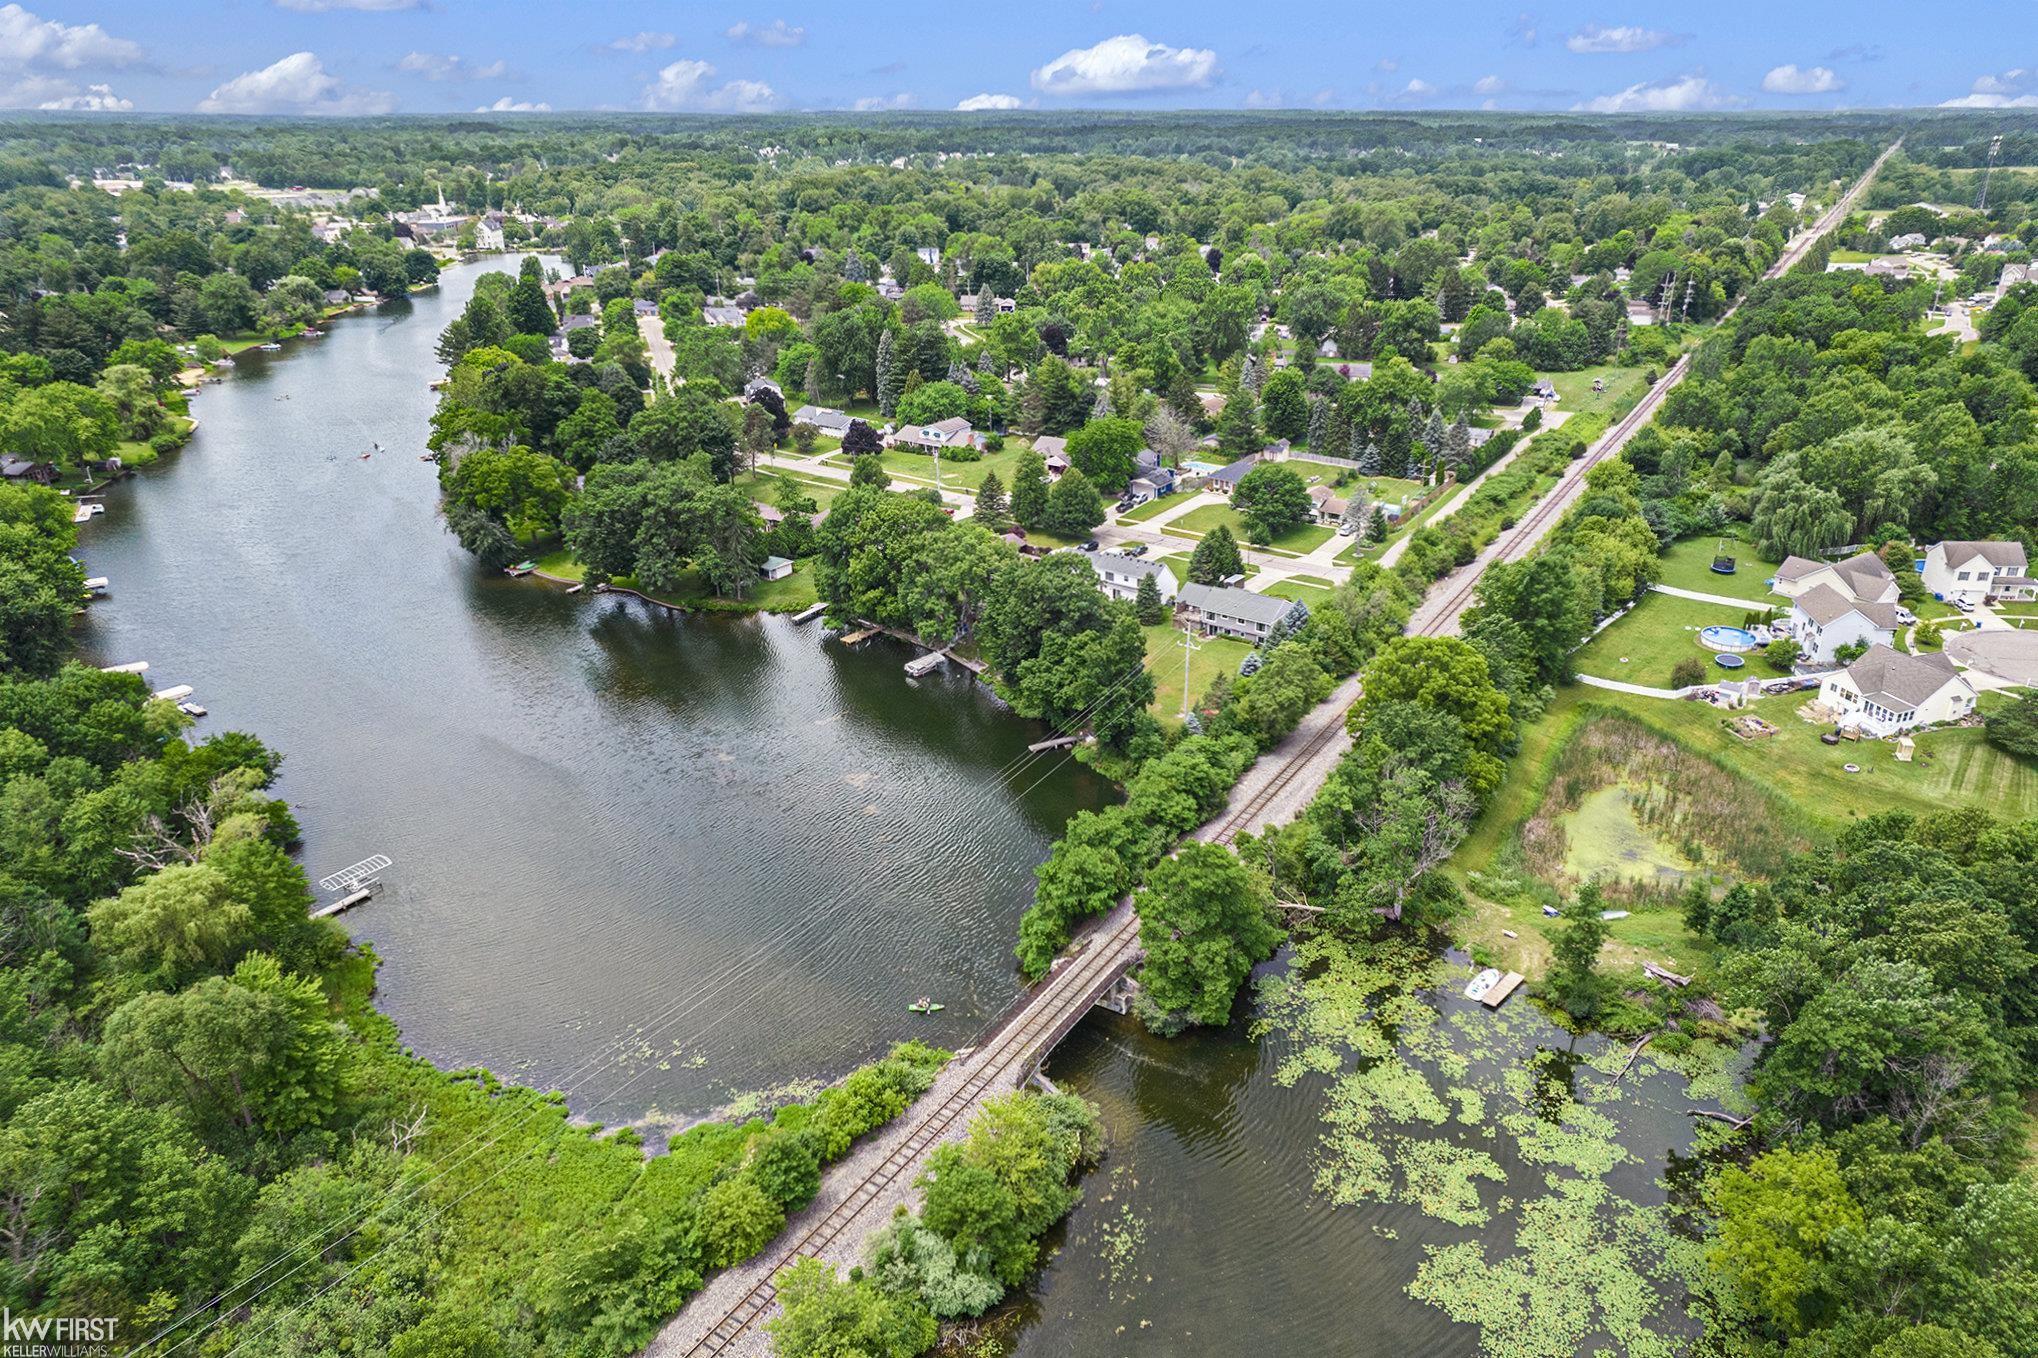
[(1729, 639)]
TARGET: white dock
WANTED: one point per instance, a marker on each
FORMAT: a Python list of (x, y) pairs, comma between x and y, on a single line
[(176, 693), (925, 664), (1055, 743), (809, 613), (131, 667), (364, 893)]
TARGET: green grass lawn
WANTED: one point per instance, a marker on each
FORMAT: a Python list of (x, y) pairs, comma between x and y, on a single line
[(918, 468), (1142, 513), (1178, 562), (763, 486), (1295, 542), (1624, 387), (1213, 656), (1849, 257), (1308, 588), (1644, 646), (789, 595), (1688, 565)]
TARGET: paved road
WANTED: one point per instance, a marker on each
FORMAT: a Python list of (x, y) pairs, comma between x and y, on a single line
[(659, 348)]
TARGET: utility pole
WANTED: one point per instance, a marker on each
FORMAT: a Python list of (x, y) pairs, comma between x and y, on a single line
[(1189, 649), (1995, 145)]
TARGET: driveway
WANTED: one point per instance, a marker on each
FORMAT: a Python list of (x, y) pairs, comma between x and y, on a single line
[(2006, 653)]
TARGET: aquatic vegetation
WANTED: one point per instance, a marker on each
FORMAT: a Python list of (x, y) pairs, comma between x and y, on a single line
[(1426, 1103)]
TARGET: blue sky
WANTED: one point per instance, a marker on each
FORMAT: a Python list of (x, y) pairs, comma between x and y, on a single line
[(438, 56)]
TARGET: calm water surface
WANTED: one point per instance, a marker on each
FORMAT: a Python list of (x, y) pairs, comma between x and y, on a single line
[(649, 859)]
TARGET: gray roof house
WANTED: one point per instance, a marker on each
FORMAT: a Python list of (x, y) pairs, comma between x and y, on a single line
[(1975, 571), (1118, 575), (1222, 610), (730, 317), (1225, 479), (827, 419), (1822, 620), (1861, 576), (1886, 691)]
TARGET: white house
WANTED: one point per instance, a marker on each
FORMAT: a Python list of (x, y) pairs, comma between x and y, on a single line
[(1118, 575), (1886, 691), (1822, 620), (1975, 571), (1223, 610), (950, 433), (1862, 576), (488, 233), (830, 421), (775, 568)]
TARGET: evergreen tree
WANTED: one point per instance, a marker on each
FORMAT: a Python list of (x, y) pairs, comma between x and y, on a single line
[(1369, 457), (813, 381), (1433, 436), (529, 312), (1102, 408), (1073, 506), (1354, 516), (992, 511), (1319, 423), (1379, 530), (987, 307), (853, 268), (1458, 444), (1029, 491), (1147, 604), (1215, 557), (1249, 378), (985, 364), (891, 381)]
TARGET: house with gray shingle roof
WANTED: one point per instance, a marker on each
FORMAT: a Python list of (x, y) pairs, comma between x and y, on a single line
[(1822, 620), (1886, 692), (1861, 576), (1975, 571), (1223, 610), (1118, 575)]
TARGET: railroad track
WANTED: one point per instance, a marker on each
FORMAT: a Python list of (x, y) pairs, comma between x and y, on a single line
[(1088, 972)]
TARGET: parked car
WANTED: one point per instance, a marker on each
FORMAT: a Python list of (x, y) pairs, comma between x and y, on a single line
[(1964, 605), (1134, 549), (1090, 546)]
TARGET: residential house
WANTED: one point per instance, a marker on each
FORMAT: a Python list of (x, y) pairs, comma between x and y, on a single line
[(1222, 610), (1544, 390), (1976, 571), (1862, 576), (1054, 451), (1823, 620), (757, 384), (830, 421), (1889, 266), (1118, 575), (338, 297), (2012, 275), (775, 568), (566, 329), (729, 317), (1886, 691), (488, 233), (641, 308), (929, 255), (1330, 506), (954, 432), (21, 469), (1225, 479), (1910, 240)]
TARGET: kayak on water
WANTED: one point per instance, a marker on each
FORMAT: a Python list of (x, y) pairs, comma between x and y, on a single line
[(923, 1005)]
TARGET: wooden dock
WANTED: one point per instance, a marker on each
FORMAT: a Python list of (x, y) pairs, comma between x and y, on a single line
[(859, 636), (1501, 989), (1056, 743), (810, 612)]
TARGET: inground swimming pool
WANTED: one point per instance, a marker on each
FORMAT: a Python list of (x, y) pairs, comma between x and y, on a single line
[(1729, 639)]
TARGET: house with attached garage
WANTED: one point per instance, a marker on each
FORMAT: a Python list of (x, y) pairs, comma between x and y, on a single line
[(834, 423), (1862, 576), (1975, 571), (1822, 620), (1886, 692), (949, 433), (1222, 610), (1118, 575)]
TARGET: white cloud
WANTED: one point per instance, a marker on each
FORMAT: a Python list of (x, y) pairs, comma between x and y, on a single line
[(877, 103), (1488, 84), (777, 33), (685, 85), (1794, 79), (1388, 64), (1418, 89), (364, 6), (27, 40), (1664, 96), (509, 105), (1620, 38), (95, 99), (646, 41), (1126, 64), (298, 83), (1998, 91), (446, 66), (1263, 99), (977, 103)]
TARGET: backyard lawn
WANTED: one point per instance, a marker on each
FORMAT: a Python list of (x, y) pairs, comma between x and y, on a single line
[(1178, 562), (763, 486), (1308, 588), (1213, 656), (1624, 386), (1295, 542), (789, 595), (1644, 646), (1688, 565), (919, 468)]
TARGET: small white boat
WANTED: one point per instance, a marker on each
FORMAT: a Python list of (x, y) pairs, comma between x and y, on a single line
[(1478, 986), (269, 348), (191, 709)]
